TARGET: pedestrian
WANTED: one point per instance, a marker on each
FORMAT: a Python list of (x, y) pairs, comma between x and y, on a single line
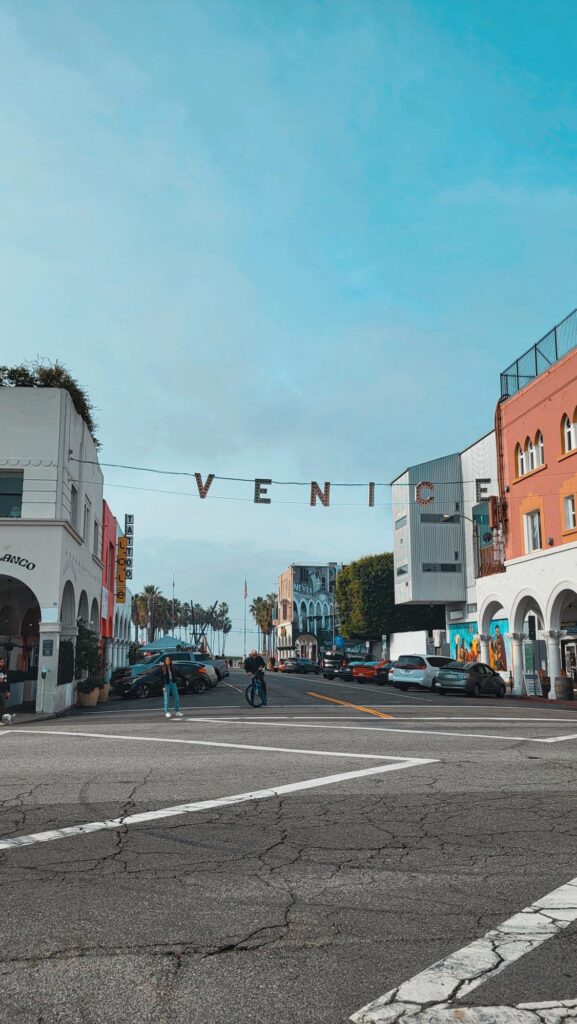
[(5, 718), (169, 676)]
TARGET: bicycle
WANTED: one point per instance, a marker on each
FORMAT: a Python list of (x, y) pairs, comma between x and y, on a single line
[(255, 693)]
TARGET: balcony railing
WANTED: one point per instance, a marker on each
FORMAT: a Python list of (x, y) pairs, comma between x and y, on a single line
[(543, 354)]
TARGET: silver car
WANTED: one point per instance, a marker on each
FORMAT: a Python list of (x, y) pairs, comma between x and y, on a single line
[(417, 670)]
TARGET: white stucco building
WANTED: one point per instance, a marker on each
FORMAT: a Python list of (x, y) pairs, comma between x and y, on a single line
[(50, 538)]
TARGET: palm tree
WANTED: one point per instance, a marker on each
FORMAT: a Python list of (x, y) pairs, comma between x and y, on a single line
[(152, 594)]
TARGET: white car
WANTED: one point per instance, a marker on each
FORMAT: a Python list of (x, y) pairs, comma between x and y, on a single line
[(417, 670)]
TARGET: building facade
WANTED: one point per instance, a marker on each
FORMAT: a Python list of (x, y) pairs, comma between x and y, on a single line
[(50, 540), (115, 618), (537, 455), (306, 615), (443, 541)]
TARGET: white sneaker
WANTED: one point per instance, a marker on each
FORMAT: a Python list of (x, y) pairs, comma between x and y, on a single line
[(179, 714), (167, 714), (6, 719)]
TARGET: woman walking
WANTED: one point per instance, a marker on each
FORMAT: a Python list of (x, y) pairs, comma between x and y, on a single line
[(169, 676)]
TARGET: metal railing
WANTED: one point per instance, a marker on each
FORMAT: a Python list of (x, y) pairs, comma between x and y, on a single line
[(542, 355)]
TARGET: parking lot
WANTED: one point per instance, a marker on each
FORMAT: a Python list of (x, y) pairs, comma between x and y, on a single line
[(296, 862)]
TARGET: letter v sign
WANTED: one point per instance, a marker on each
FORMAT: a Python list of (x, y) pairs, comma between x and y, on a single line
[(203, 489)]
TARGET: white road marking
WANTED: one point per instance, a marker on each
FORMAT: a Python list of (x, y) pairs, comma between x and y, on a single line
[(207, 805), (206, 743), (233, 687), (383, 728), (560, 739), (398, 718), (427, 997)]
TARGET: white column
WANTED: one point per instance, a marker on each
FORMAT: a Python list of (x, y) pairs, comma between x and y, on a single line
[(517, 652), (553, 637), (484, 639)]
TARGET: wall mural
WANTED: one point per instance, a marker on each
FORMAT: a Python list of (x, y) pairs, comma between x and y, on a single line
[(466, 646)]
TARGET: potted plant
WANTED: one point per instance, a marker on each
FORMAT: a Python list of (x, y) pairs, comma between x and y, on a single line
[(88, 691), (103, 691)]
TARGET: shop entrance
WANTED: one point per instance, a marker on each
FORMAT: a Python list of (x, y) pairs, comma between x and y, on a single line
[(19, 636)]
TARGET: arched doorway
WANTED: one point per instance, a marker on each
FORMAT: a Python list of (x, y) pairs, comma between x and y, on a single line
[(562, 623), (529, 648), (94, 616), (83, 609), (19, 635)]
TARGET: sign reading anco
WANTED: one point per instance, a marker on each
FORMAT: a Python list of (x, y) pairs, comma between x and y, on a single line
[(17, 560)]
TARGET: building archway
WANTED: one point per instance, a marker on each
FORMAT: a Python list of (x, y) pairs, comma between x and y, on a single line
[(94, 616), (83, 609), (561, 615), (19, 631), (526, 605)]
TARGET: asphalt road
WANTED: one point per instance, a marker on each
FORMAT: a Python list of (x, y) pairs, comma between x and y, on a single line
[(408, 827)]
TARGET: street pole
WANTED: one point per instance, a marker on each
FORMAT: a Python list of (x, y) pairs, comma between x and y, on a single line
[(245, 597), (173, 604)]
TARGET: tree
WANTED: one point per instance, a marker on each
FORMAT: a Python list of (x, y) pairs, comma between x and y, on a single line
[(151, 595), (366, 602), (51, 375), (262, 609)]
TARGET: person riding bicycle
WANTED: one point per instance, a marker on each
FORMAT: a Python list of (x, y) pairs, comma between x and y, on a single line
[(255, 666)]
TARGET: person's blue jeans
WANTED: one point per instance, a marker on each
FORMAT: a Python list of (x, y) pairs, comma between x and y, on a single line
[(171, 689)]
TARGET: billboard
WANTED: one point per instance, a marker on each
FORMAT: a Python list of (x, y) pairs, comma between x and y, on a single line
[(465, 644)]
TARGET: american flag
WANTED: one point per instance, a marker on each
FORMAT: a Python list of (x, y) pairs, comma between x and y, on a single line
[(245, 590)]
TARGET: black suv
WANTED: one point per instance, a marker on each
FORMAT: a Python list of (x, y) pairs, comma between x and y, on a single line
[(332, 662)]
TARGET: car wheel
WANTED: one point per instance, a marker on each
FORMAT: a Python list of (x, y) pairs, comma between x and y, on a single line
[(380, 682), (433, 685), (439, 690), (403, 688), (502, 691), (476, 691), (143, 691), (359, 679), (218, 676), (199, 686)]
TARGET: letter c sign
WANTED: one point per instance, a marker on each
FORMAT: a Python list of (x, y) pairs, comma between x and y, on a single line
[(424, 492)]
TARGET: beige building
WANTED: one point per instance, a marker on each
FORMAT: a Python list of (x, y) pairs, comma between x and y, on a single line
[(306, 610)]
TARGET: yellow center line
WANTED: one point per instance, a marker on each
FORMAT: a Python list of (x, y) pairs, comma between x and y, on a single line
[(347, 704)]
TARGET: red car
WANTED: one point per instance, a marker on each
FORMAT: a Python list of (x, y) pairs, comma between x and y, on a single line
[(373, 670)]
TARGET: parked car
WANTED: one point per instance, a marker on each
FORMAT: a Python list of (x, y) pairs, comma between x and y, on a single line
[(220, 665), (346, 671), (213, 673), (149, 683), (474, 678), (377, 671), (331, 662), (301, 665), (419, 670)]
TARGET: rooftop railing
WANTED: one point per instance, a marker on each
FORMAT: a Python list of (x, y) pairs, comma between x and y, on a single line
[(542, 355)]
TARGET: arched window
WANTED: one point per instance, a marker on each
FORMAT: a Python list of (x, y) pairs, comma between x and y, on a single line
[(539, 449), (520, 460), (529, 455), (568, 434)]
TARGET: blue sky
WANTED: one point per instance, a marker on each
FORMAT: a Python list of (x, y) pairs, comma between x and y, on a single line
[(286, 239)]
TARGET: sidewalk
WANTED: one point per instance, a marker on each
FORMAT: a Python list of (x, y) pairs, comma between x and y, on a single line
[(24, 715)]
